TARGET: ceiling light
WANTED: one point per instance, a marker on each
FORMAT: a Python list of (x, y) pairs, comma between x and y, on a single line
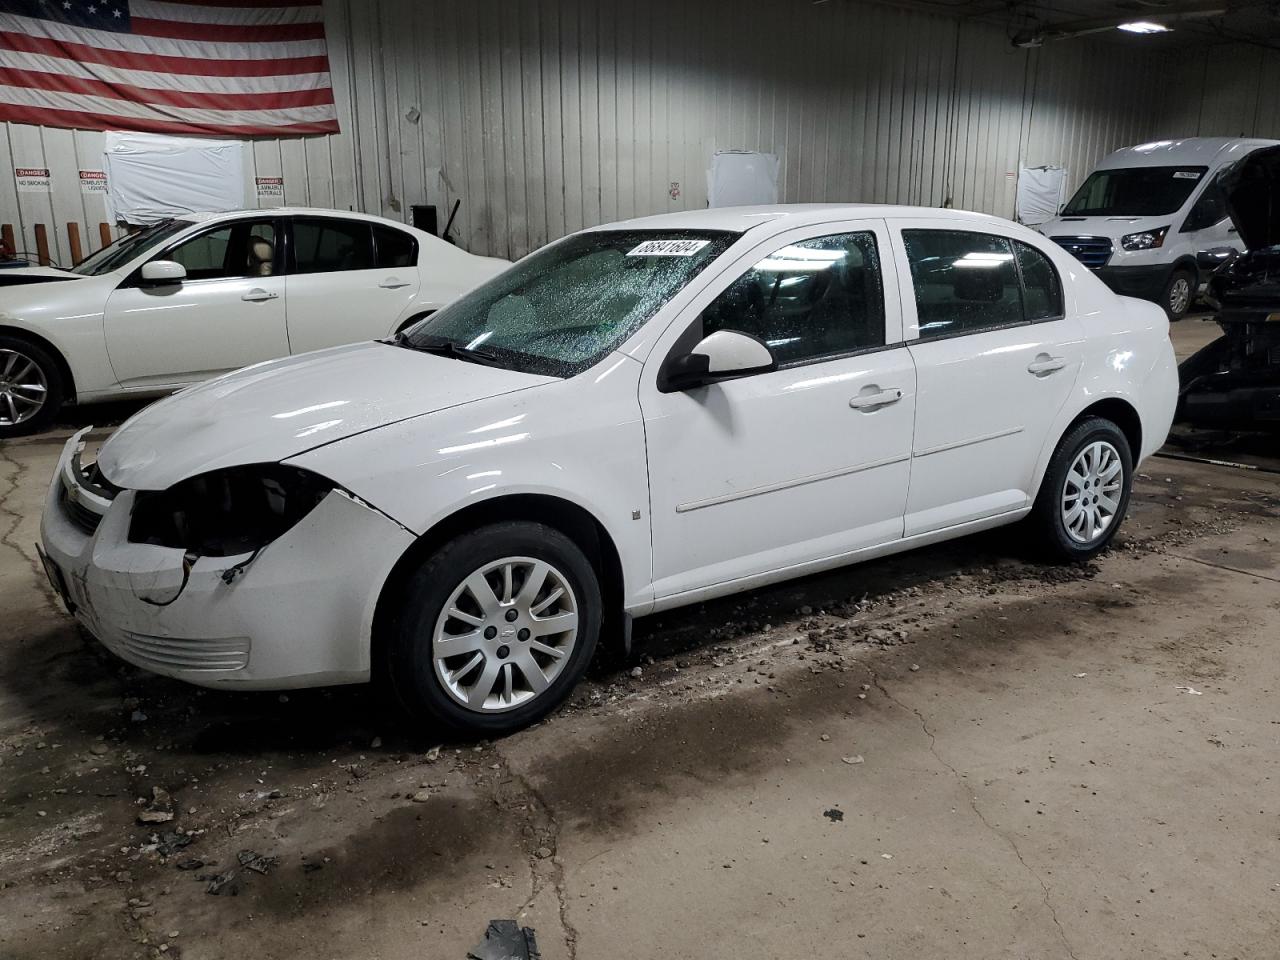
[(1143, 26)]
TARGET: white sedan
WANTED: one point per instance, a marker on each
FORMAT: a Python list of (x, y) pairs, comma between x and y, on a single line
[(637, 417), (199, 295)]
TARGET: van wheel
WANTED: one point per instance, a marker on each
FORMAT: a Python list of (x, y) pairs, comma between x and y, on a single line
[(1178, 294), (496, 628), (1085, 491), (31, 387)]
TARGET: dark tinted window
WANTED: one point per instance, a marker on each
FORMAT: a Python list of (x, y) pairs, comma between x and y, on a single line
[(963, 281), (1041, 288), (818, 298), (1210, 208), (245, 248), (1134, 192), (395, 248), (327, 246)]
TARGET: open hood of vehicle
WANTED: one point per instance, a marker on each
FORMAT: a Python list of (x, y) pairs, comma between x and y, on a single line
[(1252, 188), (276, 410)]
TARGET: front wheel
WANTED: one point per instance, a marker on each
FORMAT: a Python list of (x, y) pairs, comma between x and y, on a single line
[(31, 388), (1178, 294), (495, 629), (1085, 491)]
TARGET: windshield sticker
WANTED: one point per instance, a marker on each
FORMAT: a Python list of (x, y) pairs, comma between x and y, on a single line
[(668, 248), (1185, 175)]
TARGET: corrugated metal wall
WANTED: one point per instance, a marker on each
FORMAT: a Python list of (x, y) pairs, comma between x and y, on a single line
[(543, 116), (1227, 91)]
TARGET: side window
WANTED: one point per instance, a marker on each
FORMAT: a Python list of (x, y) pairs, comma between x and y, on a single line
[(328, 246), (241, 249), (1208, 210), (395, 248), (814, 299), (1041, 288), (963, 281)]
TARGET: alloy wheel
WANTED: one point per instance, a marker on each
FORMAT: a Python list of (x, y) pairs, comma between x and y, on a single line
[(505, 634), (23, 387), (1092, 492), (1180, 295)]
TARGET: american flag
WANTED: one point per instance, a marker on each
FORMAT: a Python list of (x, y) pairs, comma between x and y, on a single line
[(223, 67)]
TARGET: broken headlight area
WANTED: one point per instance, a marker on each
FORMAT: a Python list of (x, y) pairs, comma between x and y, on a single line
[(227, 512)]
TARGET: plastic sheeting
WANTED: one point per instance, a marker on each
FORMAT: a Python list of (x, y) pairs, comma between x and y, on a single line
[(1040, 193), (741, 178), (151, 177)]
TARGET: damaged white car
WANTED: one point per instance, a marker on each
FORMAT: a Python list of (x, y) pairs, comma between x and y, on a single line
[(637, 417)]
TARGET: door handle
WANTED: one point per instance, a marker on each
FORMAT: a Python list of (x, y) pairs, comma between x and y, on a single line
[(876, 398), (393, 283), (258, 294), (1045, 364)]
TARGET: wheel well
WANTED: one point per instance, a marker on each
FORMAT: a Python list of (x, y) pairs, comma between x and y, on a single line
[(570, 519), (414, 319), (64, 368), (1190, 266), (1122, 414)]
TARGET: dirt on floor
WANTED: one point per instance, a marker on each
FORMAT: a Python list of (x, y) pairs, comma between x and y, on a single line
[(956, 752)]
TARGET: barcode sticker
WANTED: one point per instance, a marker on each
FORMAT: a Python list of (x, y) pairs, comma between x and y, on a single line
[(1186, 175), (668, 248)]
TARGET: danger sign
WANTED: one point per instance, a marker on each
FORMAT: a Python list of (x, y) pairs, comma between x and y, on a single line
[(32, 179)]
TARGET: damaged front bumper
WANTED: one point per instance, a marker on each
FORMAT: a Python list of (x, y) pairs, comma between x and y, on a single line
[(295, 613)]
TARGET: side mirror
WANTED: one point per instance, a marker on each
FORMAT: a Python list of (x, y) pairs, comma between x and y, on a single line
[(722, 355), (159, 272)]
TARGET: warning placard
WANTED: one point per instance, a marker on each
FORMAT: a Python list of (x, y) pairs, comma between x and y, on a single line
[(270, 188), (32, 179), (93, 181)]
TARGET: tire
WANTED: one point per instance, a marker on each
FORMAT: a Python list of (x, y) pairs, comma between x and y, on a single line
[(1178, 294), (31, 387), (1060, 531), (505, 628)]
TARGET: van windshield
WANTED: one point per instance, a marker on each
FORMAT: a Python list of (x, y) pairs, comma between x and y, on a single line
[(1134, 192)]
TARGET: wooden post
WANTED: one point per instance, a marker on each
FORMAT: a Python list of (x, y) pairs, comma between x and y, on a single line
[(73, 235), (104, 234), (6, 234), (42, 245)]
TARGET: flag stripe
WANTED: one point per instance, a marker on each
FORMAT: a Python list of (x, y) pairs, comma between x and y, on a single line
[(88, 103), (126, 43), (141, 61), (61, 83), (242, 14), (177, 30), (171, 81), (17, 113)]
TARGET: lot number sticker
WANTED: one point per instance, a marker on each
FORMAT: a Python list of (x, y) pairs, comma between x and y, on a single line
[(668, 248)]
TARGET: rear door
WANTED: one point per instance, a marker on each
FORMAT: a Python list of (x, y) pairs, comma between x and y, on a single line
[(228, 312), (349, 280), (996, 355)]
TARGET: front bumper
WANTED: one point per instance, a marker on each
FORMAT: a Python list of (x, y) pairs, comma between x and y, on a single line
[(300, 614), (1145, 282)]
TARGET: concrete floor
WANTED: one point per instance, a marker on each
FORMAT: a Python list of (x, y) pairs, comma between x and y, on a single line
[(953, 753)]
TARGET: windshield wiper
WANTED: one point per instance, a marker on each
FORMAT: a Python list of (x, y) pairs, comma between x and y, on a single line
[(450, 348)]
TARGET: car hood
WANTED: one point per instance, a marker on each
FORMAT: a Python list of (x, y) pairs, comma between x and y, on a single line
[(1252, 188), (25, 276), (1111, 227), (276, 410)]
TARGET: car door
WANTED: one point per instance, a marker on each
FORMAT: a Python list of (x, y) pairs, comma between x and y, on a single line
[(227, 313), (803, 463), (349, 280), (1207, 225), (996, 355)]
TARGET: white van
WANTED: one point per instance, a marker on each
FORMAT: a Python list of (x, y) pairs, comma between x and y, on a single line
[(1145, 218)]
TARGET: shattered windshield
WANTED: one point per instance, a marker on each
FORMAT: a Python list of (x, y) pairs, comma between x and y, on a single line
[(560, 310), (116, 255)]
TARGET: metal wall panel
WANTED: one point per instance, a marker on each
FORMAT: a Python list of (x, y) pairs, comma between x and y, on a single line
[(543, 116)]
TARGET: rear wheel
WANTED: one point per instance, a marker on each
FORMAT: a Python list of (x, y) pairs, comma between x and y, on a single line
[(31, 387), (1085, 491), (496, 628), (1178, 294)]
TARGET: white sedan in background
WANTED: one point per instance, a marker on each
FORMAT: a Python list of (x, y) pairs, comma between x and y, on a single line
[(637, 417), (196, 296)]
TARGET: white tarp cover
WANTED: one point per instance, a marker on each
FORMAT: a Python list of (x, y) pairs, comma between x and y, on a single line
[(741, 178), (151, 177), (1040, 193)]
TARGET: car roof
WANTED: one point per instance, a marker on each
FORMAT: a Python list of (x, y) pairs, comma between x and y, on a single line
[(202, 216), (1188, 151), (779, 217)]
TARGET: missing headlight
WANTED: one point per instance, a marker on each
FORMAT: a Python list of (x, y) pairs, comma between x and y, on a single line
[(227, 512)]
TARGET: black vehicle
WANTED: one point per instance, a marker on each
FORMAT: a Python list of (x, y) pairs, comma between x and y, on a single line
[(1234, 382)]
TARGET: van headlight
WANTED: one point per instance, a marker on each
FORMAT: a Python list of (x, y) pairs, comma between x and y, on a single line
[(1146, 240), (228, 512)]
